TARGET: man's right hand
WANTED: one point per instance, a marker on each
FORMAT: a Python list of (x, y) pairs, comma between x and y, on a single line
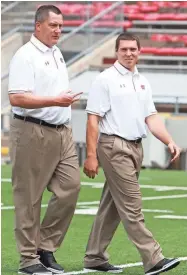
[(66, 99), (91, 167)]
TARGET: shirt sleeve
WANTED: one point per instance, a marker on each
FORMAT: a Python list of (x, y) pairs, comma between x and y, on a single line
[(150, 106), (98, 98), (21, 74)]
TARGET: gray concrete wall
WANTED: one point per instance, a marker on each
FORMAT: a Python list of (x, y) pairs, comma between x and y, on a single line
[(8, 48), (155, 152)]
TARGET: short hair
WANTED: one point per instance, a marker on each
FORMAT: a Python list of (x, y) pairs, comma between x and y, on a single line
[(129, 37), (42, 12)]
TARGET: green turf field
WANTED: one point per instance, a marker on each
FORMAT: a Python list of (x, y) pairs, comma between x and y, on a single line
[(171, 232)]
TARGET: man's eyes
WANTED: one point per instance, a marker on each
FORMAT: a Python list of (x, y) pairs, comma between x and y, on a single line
[(55, 26), (132, 50)]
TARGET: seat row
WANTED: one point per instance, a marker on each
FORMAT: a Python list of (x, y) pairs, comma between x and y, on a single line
[(157, 16), (103, 23), (169, 38), (164, 51), (96, 7)]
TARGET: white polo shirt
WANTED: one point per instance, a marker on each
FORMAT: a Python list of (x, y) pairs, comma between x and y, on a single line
[(123, 99), (41, 70)]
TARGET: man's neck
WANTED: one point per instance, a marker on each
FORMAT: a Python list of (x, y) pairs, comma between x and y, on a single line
[(37, 37), (128, 69)]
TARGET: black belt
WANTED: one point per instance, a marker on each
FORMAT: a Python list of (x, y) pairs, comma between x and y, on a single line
[(37, 121), (136, 141)]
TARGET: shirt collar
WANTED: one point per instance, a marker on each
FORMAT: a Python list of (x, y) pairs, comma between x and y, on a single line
[(39, 45), (122, 70)]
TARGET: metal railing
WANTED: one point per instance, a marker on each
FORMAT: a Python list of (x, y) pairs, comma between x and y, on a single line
[(91, 48), (87, 37), (90, 21), (10, 6), (75, 31)]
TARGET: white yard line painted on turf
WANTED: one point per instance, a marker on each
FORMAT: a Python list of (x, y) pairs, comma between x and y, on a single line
[(88, 203), (155, 187), (122, 266), (163, 188), (143, 186), (93, 211), (86, 210), (173, 217), (164, 197), (6, 180), (96, 202), (144, 210)]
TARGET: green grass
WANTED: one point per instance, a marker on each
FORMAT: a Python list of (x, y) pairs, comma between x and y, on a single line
[(171, 234)]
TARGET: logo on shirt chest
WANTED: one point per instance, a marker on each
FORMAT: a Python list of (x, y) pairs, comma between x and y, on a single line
[(142, 87), (47, 63), (122, 85)]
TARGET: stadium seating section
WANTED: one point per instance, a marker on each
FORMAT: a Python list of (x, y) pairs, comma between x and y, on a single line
[(143, 10), (140, 11)]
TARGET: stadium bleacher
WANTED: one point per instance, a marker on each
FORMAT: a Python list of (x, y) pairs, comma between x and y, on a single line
[(161, 26)]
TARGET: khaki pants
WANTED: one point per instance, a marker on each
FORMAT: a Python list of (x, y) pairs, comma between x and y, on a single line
[(121, 201), (42, 157)]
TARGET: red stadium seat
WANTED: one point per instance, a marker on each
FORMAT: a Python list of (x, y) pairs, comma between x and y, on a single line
[(180, 51), (166, 16), (169, 38), (183, 38), (148, 8), (183, 4), (135, 16), (73, 23), (174, 5), (161, 4), (148, 50), (126, 8), (173, 38), (171, 51), (181, 16), (158, 37), (151, 16)]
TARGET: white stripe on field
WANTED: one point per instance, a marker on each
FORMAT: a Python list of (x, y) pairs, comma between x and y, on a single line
[(164, 197), (96, 202), (163, 187), (144, 186), (6, 180), (171, 217), (155, 187), (93, 210), (122, 266)]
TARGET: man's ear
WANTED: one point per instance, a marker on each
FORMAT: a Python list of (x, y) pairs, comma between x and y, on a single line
[(38, 26)]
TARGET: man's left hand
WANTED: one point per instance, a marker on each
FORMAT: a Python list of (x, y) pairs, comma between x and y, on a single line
[(174, 150)]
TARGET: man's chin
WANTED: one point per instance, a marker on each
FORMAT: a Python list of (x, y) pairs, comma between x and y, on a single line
[(55, 41)]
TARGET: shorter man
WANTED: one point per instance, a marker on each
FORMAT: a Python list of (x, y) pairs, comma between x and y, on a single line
[(120, 105)]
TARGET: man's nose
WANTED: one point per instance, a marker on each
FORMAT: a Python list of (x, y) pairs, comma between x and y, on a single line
[(128, 52), (58, 30)]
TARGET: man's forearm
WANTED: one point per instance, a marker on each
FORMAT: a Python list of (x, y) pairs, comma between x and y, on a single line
[(92, 135), (30, 101), (158, 129)]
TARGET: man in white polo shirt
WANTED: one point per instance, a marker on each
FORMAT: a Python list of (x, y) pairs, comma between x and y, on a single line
[(42, 150), (120, 105)]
